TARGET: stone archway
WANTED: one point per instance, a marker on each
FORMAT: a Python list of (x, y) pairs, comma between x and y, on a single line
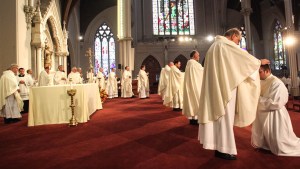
[(183, 61), (153, 67)]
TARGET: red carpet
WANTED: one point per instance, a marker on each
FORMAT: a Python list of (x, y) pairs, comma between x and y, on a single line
[(127, 133)]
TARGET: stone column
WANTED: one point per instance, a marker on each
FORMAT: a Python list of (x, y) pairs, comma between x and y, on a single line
[(246, 11), (124, 34), (291, 49), (39, 61)]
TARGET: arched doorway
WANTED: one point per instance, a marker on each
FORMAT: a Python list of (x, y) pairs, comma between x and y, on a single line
[(153, 67), (183, 60)]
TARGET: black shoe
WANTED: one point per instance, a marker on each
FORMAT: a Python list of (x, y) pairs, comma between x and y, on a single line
[(193, 122), (15, 120), (224, 155), (177, 109)]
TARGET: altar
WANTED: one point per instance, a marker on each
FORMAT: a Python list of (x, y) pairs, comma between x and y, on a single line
[(51, 104)]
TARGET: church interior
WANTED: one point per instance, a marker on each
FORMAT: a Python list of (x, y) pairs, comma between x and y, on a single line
[(136, 133)]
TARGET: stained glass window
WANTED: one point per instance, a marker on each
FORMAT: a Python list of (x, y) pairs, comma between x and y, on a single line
[(243, 39), (105, 55), (279, 51), (173, 17)]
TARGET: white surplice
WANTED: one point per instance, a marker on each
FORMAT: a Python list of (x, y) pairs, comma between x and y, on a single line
[(126, 84), (272, 129), (30, 80), (24, 87), (192, 87), (45, 79), (59, 75), (163, 81), (112, 85), (174, 93), (75, 78), (11, 102), (101, 80), (143, 84)]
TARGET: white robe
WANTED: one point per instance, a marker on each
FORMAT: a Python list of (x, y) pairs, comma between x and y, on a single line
[(30, 80), (192, 87), (24, 88), (45, 79), (112, 85), (58, 78), (75, 78), (288, 82), (101, 80), (174, 93), (126, 85), (229, 94), (272, 128), (143, 84), (163, 81), (11, 102), (90, 77)]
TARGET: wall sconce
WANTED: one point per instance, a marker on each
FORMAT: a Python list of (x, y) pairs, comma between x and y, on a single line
[(30, 11)]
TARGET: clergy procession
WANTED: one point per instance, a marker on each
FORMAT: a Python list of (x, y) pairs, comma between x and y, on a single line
[(232, 89)]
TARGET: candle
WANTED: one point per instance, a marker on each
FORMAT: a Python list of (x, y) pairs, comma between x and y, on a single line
[(26, 2), (71, 85)]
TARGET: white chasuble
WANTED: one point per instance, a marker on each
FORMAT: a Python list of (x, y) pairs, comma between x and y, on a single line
[(163, 81), (143, 84), (227, 67), (192, 87), (174, 93), (126, 84)]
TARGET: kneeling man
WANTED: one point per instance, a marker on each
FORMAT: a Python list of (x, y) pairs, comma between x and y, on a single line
[(272, 129)]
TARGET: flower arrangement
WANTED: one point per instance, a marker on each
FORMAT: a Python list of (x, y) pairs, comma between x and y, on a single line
[(103, 95)]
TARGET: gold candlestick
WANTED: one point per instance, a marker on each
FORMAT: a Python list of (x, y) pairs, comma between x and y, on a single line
[(73, 121)]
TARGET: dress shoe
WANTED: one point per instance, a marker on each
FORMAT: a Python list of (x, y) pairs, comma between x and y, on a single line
[(224, 155), (177, 109), (194, 122)]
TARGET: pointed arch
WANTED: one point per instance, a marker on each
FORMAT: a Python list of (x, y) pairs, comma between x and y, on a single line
[(153, 67), (183, 60)]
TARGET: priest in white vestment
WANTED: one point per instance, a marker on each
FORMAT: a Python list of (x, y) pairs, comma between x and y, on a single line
[(229, 93), (101, 79), (11, 102), (24, 85), (112, 84), (74, 76), (163, 80), (192, 87), (288, 83), (60, 77), (126, 84), (174, 93), (90, 76), (30, 80), (45, 78), (143, 83), (272, 129)]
